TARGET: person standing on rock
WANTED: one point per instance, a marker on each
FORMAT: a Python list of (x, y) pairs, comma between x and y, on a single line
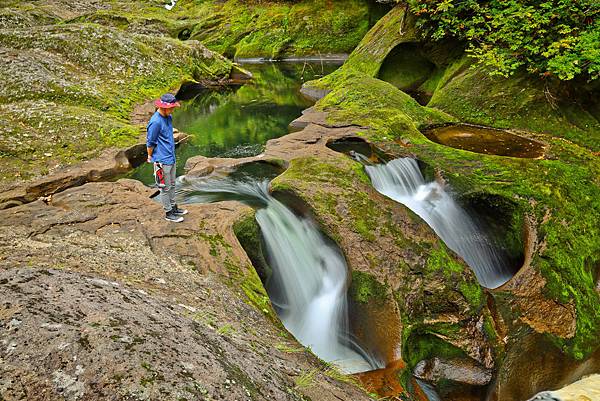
[(160, 144)]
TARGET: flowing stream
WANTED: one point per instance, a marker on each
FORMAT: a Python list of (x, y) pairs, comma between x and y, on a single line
[(309, 279), (401, 180), (309, 274), (237, 122), (429, 390)]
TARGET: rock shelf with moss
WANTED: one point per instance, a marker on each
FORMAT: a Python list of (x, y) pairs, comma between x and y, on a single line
[(69, 88), (561, 192), (274, 29), (394, 255), (245, 29)]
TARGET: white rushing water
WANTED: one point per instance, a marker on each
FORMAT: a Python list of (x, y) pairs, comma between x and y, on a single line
[(170, 6), (309, 277), (402, 181), (429, 390)]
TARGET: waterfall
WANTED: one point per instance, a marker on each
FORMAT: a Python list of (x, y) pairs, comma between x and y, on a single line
[(429, 390), (402, 181), (170, 6), (309, 281)]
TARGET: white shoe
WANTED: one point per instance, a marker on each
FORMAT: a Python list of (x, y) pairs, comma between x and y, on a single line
[(178, 212), (170, 216)]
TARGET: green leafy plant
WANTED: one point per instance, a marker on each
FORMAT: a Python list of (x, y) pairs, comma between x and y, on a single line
[(552, 38)]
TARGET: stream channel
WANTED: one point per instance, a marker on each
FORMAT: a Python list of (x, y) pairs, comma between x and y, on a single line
[(309, 275), (308, 280)]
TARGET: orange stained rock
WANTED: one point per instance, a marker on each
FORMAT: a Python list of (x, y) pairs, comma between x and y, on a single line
[(385, 382)]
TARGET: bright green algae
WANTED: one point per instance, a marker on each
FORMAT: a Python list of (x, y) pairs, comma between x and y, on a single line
[(241, 29), (71, 87), (562, 191)]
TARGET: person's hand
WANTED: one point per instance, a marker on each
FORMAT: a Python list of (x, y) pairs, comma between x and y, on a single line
[(149, 159)]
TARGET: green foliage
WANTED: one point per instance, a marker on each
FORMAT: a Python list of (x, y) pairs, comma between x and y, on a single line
[(306, 379), (365, 288), (552, 38)]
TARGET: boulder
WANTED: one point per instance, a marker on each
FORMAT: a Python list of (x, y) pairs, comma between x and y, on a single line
[(103, 299)]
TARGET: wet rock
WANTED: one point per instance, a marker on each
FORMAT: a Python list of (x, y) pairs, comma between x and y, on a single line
[(384, 382), (109, 165), (516, 380), (458, 370), (372, 245), (494, 104), (540, 313), (101, 298), (313, 94), (239, 74), (65, 102), (585, 389), (311, 116)]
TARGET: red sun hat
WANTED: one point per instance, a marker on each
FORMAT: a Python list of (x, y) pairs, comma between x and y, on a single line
[(167, 101)]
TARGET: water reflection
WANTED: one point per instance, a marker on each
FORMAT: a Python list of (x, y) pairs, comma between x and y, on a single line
[(486, 140), (238, 122)]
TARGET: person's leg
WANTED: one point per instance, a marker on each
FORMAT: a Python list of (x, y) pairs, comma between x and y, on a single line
[(165, 193), (171, 177)]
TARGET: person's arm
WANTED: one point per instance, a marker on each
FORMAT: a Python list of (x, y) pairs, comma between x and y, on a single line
[(151, 139), (150, 151)]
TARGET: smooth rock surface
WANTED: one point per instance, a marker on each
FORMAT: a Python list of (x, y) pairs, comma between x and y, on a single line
[(103, 299)]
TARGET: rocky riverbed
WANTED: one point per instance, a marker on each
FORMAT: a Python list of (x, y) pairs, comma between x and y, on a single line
[(101, 299)]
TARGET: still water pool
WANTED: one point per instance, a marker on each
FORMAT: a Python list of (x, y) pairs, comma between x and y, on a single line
[(238, 122)]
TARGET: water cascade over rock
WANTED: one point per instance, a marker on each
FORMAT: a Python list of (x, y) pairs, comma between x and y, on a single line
[(402, 181), (309, 276)]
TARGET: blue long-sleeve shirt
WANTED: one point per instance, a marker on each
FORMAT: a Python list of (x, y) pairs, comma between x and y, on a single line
[(160, 137)]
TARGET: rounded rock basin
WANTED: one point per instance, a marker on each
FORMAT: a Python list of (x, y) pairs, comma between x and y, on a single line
[(484, 140)]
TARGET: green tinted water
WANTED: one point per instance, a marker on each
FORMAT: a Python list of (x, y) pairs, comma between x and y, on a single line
[(238, 122)]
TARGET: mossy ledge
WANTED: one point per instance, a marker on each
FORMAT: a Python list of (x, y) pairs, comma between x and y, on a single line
[(67, 97), (560, 191), (248, 29), (394, 256)]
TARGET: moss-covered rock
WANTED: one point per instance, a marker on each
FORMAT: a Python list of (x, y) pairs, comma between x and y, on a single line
[(561, 191), (275, 29), (406, 68), (518, 102), (69, 89), (248, 233), (395, 257), (394, 28), (270, 29)]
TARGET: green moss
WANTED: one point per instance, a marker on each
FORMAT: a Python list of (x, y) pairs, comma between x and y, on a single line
[(519, 102), (561, 192), (364, 288), (489, 329), (405, 67), (72, 97), (248, 233), (342, 173), (216, 242), (359, 169), (362, 209), (432, 82), (419, 345), (473, 293), (276, 29), (367, 58), (439, 260), (379, 105)]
